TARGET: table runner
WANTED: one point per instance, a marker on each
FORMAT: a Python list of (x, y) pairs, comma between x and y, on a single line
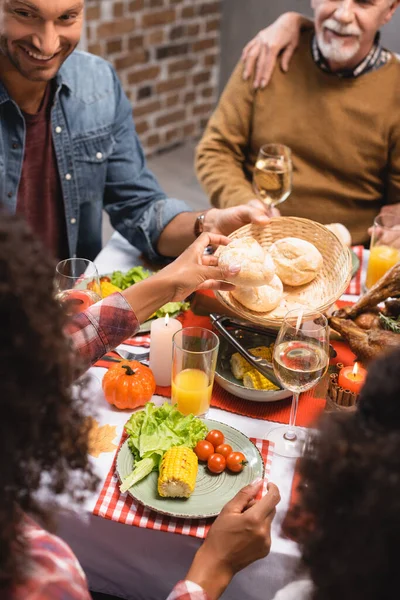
[(122, 508)]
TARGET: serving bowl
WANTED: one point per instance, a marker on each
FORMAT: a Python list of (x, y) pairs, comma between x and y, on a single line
[(225, 378)]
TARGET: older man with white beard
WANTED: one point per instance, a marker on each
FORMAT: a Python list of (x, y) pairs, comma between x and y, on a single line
[(336, 108)]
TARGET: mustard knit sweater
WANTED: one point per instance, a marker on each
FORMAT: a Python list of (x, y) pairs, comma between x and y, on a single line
[(344, 135)]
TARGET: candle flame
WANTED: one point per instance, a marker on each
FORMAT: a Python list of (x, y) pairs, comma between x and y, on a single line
[(355, 369), (166, 320)]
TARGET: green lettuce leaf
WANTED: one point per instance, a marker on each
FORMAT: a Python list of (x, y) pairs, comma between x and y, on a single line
[(125, 280), (153, 431), (172, 308)]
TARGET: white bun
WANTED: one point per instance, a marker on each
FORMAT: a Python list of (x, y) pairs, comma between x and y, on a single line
[(260, 299), (296, 261), (341, 232), (257, 267)]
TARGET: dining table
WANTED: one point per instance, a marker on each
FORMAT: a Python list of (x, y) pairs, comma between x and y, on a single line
[(124, 557)]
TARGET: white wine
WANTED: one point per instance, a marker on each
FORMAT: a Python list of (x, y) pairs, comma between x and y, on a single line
[(272, 180), (299, 365), (75, 301)]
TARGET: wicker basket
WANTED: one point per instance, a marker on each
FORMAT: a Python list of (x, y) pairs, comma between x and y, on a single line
[(318, 295)]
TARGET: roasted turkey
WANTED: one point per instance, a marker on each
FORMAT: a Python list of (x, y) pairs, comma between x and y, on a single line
[(361, 325)]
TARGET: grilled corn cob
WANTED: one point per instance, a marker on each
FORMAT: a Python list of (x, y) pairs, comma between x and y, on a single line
[(108, 288), (178, 472), (255, 381), (240, 366)]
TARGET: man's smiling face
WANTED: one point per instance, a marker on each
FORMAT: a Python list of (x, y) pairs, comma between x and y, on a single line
[(38, 35), (346, 29)]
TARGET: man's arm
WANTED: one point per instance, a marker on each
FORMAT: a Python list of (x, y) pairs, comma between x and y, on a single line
[(138, 207), (222, 150)]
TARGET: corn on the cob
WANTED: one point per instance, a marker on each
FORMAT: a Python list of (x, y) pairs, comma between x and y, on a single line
[(108, 288), (178, 472), (255, 381), (240, 366)]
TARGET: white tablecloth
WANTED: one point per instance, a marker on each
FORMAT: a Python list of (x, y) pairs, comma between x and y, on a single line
[(143, 564)]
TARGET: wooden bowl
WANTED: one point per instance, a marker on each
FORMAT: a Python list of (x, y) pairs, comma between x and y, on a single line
[(318, 295)]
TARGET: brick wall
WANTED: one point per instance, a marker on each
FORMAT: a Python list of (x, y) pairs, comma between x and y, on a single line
[(166, 53)]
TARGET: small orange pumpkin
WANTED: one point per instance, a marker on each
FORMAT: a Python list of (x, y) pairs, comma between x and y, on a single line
[(129, 384)]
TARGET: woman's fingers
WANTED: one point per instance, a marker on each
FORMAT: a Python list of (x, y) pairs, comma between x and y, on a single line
[(209, 260), (210, 239), (249, 57), (212, 284)]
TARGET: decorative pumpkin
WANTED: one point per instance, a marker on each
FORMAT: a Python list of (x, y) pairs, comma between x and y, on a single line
[(129, 384)]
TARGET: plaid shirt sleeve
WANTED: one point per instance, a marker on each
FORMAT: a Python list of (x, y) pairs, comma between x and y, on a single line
[(54, 572), (102, 327), (187, 590)]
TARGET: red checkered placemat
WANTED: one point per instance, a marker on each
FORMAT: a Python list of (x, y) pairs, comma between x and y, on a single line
[(354, 288), (122, 508)]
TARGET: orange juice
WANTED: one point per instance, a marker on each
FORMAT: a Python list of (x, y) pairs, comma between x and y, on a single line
[(191, 391), (381, 259)]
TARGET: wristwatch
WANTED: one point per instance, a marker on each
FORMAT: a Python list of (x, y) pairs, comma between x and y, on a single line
[(199, 224)]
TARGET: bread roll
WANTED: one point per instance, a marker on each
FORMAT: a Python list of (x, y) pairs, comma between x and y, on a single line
[(260, 299), (257, 265), (341, 232), (296, 261)]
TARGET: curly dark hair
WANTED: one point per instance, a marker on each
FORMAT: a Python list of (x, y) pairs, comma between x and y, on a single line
[(379, 403), (43, 430), (352, 489)]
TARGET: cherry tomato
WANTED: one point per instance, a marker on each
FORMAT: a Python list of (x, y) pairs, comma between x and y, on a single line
[(203, 450), (236, 461), (215, 437), (224, 449), (216, 463)]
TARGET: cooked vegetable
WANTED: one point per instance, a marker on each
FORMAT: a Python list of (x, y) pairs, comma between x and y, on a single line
[(128, 384), (236, 461), (108, 288), (254, 380), (240, 366), (203, 450), (178, 472), (216, 463), (224, 449), (215, 437), (154, 430)]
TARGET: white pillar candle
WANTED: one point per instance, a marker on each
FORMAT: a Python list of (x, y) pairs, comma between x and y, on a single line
[(161, 334)]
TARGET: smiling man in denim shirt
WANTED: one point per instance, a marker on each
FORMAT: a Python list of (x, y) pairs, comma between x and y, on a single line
[(68, 145)]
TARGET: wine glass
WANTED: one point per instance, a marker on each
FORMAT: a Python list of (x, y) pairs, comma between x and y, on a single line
[(300, 359), (272, 175), (77, 284)]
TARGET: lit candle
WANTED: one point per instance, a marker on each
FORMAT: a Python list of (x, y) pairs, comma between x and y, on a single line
[(352, 378), (161, 334)]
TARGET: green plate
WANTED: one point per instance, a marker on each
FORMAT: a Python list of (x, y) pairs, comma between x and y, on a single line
[(355, 263), (211, 493)]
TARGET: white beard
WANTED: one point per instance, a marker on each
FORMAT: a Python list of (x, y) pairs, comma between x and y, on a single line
[(336, 50)]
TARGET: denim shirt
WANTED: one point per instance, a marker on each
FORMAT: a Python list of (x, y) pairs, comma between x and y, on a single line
[(99, 156)]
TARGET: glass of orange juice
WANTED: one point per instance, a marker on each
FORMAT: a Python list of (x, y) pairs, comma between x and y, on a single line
[(385, 247), (194, 357)]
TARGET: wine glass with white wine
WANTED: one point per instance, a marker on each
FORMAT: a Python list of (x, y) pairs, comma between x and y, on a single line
[(300, 359), (272, 175)]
